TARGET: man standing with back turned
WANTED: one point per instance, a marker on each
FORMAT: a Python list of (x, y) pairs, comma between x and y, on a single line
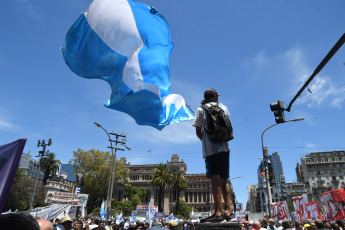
[(216, 154)]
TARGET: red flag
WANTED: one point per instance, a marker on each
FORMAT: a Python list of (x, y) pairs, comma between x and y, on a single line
[(333, 202)]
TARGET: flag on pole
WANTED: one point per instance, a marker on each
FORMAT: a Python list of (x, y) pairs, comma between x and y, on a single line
[(171, 217), (103, 211), (119, 218), (10, 155), (150, 215), (132, 218), (83, 210), (127, 44)]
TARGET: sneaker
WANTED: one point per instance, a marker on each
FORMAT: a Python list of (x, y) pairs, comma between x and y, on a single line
[(215, 219), (230, 218)]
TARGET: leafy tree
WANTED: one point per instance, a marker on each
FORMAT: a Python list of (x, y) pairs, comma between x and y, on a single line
[(179, 183), (160, 178), (134, 195), (182, 209), (50, 165), (21, 193), (95, 167)]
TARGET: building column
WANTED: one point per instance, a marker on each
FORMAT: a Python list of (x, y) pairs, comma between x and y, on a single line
[(166, 201), (152, 197)]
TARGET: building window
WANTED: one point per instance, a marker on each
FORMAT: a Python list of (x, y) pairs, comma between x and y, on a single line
[(341, 177), (315, 160), (328, 154), (325, 172), (322, 159), (329, 159)]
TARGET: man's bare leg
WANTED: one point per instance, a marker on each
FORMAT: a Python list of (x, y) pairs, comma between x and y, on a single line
[(217, 194), (226, 196)]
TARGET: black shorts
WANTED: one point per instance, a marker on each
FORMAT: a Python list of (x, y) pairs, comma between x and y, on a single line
[(218, 164)]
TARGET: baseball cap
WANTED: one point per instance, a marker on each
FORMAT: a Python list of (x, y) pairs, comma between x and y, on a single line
[(210, 93), (307, 226)]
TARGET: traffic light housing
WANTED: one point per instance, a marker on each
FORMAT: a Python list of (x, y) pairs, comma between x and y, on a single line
[(278, 109)]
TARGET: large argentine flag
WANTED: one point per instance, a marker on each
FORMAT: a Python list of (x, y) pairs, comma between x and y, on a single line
[(127, 44)]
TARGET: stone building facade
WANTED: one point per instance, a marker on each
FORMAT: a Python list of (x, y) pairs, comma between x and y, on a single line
[(198, 193), (323, 171)]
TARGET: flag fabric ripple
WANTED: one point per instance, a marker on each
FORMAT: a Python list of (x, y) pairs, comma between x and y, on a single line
[(127, 44)]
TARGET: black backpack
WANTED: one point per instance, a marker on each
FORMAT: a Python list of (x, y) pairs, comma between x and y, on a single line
[(219, 128)]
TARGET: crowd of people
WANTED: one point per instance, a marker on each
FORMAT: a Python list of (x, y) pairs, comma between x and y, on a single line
[(308, 224), (25, 221)]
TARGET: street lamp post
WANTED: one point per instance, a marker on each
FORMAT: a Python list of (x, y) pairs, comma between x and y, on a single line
[(265, 160), (41, 154), (113, 162)]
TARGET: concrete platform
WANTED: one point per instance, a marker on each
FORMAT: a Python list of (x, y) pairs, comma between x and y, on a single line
[(216, 226)]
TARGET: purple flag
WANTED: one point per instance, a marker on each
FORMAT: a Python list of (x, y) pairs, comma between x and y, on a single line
[(10, 155)]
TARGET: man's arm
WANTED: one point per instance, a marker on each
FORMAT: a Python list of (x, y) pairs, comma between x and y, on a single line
[(198, 132)]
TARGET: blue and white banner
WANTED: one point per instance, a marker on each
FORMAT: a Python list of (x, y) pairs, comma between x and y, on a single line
[(127, 44), (150, 215)]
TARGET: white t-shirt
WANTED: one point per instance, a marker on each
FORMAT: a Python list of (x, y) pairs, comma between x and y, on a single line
[(209, 147)]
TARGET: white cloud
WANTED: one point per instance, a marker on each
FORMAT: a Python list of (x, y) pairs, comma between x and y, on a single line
[(179, 133), (8, 124), (303, 114), (310, 145), (324, 90), (29, 9)]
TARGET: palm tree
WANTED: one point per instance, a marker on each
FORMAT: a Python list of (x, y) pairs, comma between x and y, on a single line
[(161, 179), (179, 183), (50, 165)]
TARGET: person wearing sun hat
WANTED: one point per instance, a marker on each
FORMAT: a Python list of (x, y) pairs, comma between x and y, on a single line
[(64, 223), (172, 224)]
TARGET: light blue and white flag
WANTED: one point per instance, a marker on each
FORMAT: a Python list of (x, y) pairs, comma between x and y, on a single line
[(103, 211), (132, 218), (119, 218), (171, 217), (150, 215), (127, 44)]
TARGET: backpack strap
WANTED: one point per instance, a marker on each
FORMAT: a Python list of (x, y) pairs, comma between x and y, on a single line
[(207, 106)]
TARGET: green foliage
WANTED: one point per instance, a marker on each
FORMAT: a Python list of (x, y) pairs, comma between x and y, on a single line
[(21, 193), (134, 195), (290, 205), (96, 211), (179, 183), (182, 209), (50, 165), (95, 167), (125, 207), (160, 178)]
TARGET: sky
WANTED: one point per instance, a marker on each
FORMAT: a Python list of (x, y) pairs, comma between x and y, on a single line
[(252, 52)]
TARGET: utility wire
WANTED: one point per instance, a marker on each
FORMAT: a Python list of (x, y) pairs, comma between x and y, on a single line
[(330, 54)]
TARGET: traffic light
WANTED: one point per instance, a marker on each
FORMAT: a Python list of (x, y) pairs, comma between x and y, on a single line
[(278, 109)]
